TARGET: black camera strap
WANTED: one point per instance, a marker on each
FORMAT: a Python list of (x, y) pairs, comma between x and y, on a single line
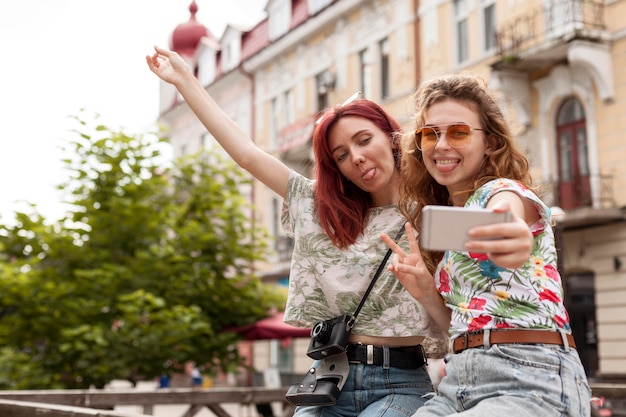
[(350, 323)]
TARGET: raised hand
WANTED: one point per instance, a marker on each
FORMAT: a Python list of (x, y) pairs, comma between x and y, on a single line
[(513, 249), (168, 65), (409, 268), (412, 273)]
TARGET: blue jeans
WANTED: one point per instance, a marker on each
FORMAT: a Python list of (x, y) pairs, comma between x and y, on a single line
[(371, 391), (512, 380)]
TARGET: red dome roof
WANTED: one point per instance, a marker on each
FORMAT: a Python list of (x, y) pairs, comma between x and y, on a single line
[(186, 36)]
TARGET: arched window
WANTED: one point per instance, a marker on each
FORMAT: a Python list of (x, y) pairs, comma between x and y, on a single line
[(574, 187)]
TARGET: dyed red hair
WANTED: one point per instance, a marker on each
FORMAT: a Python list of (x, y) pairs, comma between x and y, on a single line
[(343, 207)]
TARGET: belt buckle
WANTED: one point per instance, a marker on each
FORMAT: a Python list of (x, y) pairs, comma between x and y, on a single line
[(423, 353), (465, 341), (370, 354)]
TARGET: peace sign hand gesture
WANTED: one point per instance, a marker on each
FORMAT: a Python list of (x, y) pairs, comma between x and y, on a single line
[(409, 268), (412, 273)]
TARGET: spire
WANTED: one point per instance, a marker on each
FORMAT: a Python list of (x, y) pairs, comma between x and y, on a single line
[(186, 37), (193, 9)]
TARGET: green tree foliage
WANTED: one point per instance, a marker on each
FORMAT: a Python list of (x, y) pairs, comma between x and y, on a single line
[(150, 268)]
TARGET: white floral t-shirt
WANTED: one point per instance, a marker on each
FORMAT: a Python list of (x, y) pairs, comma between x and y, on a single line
[(326, 282), (485, 296)]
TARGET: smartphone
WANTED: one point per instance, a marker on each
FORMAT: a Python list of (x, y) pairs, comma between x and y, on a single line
[(445, 227)]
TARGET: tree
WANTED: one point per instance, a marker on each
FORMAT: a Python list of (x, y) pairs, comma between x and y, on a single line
[(147, 270)]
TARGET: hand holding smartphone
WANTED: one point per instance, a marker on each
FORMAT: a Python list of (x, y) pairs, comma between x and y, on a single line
[(445, 227)]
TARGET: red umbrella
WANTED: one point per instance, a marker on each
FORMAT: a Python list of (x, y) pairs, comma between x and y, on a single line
[(272, 327)]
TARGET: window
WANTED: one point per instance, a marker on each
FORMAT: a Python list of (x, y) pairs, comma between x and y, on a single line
[(206, 65), (227, 57), (321, 88), (385, 87), (283, 245), (365, 71), (461, 9), (279, 18), (274, 123), (231, 48), (231, 53), (288, 108), (574, 188), (489, 24)]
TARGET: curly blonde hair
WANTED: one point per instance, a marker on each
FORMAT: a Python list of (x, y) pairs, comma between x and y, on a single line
[(506, 161)]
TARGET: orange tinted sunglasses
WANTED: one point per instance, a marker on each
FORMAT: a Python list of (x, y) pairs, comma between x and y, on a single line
[(457, 135)]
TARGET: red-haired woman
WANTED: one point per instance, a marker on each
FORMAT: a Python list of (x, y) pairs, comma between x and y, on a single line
[(336, 221)]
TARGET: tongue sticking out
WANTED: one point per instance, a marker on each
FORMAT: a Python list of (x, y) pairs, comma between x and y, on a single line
[(369, 174), (447, 165)]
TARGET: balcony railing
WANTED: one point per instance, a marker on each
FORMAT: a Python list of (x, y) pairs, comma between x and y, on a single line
[(556, 20), (552, 191)]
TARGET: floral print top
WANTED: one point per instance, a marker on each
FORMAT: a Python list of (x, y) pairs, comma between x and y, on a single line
[(482, 295), (326, 281)]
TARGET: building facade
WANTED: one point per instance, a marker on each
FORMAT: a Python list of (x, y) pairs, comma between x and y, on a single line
[(273, 79), (322, 55), (554, 64), (327, 52)]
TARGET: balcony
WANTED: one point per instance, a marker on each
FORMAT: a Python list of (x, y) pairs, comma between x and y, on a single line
[(584, 208), (541, 37)]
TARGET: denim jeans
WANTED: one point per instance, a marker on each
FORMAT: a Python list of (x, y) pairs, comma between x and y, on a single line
[(512, 381), (371, 391)]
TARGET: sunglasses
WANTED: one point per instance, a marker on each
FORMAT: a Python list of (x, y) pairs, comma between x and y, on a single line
[(457, 135), (356, 96)]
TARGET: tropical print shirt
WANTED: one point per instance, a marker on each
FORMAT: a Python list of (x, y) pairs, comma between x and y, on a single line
[(482, 295), (325, 281)]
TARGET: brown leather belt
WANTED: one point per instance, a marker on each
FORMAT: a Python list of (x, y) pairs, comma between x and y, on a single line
[(506, 336)]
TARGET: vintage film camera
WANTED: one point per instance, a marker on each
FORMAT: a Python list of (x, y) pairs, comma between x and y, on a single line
[(324, 381), (322, 384), (330, 337)]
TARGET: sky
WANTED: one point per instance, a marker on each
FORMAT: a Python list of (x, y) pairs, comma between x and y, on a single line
[(61, 56)]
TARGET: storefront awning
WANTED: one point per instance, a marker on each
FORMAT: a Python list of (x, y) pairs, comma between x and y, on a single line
[(272, 327)]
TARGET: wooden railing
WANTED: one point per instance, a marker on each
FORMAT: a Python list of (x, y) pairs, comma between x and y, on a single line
[(31, 403), (100, 403), (28, 409)]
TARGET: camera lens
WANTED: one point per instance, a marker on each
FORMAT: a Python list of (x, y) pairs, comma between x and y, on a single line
[(320, 331)]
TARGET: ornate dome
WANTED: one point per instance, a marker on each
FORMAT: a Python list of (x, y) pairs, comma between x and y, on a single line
[(186, 36)]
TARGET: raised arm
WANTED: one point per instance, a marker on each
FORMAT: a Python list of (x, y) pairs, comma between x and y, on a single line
[(170, 67), (514, 249)]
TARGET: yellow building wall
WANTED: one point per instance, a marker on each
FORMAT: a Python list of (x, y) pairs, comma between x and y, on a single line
[(402, 70), (591, 249), (594, 250), (611, 125)]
